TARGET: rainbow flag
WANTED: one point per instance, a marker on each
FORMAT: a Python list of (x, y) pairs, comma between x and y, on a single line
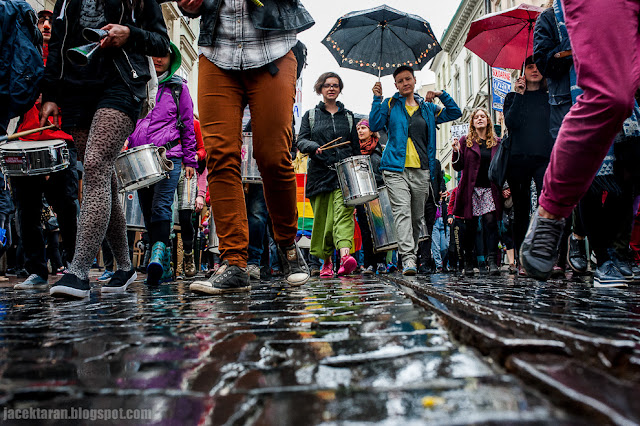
[(305, 213)]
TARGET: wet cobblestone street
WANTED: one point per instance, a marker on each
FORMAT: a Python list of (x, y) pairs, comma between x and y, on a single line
[(330, 352)]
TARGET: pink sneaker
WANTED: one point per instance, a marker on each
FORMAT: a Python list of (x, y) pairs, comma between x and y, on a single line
[(347, 265), (327, 270)]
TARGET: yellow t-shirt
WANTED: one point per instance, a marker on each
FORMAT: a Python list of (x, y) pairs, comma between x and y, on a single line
[(412, 160)]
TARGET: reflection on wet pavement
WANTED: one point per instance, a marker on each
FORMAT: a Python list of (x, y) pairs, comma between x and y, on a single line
[(578, 344), (330, 351)]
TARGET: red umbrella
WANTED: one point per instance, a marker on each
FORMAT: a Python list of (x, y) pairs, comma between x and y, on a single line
[(504, 39)]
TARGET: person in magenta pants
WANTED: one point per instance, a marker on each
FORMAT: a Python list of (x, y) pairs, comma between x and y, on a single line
[(608, 72)]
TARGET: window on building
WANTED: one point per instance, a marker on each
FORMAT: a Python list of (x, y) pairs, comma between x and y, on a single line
[(469, 70), (483, 69), (456, 83)]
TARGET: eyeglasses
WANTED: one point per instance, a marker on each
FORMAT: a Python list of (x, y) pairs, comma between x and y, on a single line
[(330, 86), (44, 19)]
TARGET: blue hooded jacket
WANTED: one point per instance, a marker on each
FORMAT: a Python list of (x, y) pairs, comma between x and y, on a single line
[(394, 116)]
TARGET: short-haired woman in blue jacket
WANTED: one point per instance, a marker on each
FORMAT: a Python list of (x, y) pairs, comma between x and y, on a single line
[(410, 154)]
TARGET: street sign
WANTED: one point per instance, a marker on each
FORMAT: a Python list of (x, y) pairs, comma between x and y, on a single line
[(501, 85)]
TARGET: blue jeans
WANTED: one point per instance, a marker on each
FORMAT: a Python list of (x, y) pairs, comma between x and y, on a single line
[(156, 200), (439, 242), (257, 215)]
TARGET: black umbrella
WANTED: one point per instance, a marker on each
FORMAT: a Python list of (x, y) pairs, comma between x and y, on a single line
[(379, 40)]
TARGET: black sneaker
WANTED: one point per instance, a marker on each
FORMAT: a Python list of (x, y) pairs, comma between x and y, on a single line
[(119, 281), (227, 279), (295, 269), (70, 286), (577, 255), (621, 264), (539, 250), (608, 275)]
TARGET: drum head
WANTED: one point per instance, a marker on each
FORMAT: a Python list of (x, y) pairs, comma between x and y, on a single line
[(27, 145)]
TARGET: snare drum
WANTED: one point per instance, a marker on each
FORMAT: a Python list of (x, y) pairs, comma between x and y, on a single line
[(357, 181), (249, 167), (34, 158), (139, 167), (380, 218), (132, 211)]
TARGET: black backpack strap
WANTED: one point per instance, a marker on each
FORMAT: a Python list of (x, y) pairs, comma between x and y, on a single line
[(176, 91)]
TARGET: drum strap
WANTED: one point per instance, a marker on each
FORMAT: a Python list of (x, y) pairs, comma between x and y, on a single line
[(171, 144)]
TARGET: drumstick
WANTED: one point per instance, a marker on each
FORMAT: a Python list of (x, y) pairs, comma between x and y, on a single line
[(335, 146), (26, 133), (327, 144)]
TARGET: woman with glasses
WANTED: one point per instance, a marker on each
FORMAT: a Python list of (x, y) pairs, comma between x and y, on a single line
[(333, 223)]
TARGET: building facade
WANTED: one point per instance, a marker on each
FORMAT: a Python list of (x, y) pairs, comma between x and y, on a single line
[(463, 74)]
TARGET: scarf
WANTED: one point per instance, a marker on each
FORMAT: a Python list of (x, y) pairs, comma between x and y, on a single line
[(163, 75), (367, 147)]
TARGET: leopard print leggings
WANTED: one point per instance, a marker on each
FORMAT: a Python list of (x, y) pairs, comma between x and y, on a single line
[(101, 212)]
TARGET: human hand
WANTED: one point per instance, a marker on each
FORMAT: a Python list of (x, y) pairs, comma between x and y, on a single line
[(49, 109), (318, 151), (189, 172), (450, 221), (431, 95), (191, 6), (199, 203), (506, 193), (118, 35), (520, 86), (456, 144), (377, 89)]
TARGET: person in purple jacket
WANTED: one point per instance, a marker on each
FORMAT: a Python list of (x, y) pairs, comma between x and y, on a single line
[(168, 125)]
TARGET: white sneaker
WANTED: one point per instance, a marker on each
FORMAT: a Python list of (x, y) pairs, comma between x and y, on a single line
[(254, 272), (34, 281)]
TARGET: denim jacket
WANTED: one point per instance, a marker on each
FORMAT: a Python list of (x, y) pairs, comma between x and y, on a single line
[(275, 15)]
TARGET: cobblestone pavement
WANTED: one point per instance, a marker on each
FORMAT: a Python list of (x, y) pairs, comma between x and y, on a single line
[(330, 352), (577, 343)]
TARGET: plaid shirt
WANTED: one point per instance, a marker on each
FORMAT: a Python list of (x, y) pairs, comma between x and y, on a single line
[(239, 45)]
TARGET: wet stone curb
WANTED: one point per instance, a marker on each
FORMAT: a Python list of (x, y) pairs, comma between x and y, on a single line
[(578, 344), (329, 352)]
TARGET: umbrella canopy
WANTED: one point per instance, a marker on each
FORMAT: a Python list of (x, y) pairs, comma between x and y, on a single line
[(504, 39), (379, 40)]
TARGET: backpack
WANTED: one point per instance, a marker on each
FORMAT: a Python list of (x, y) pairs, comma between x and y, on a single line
[(312, 119), (21, 64)]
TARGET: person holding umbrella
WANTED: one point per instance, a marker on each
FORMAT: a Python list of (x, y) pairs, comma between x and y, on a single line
[(410, 154), (526, 113)]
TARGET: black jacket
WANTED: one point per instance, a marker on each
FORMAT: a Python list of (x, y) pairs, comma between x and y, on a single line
[(546, 43), (275, 15), (527, 118), (321, 174), (148, 37)]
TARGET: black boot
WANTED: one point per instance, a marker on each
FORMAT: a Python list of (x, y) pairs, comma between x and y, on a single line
[(424, 256), (468, 267), (493, 265)]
